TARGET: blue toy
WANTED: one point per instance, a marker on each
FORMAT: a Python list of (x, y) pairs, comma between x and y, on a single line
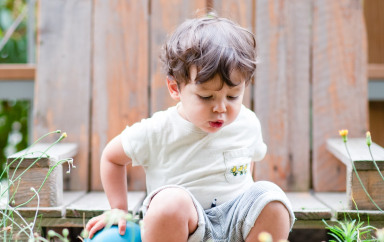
[(132, 234)]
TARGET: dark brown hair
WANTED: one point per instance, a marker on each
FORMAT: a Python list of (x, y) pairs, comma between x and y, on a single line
[(214, 45)]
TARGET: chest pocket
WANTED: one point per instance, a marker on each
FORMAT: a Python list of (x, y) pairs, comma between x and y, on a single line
[(238, 165)]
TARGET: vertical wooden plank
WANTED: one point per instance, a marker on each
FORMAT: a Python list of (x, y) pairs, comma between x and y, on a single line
[(120, 77), (282, 91), (339, 84), (166, 15), (240, 12), (62, 89), (376, 121), (374, 20), (298, 77)]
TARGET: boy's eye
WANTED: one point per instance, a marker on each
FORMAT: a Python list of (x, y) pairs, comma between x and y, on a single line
[(232, 97), (205, 97)]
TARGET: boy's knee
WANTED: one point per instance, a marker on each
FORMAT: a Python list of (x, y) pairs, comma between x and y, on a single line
[(276, 208), (172, 203), (274, 213)]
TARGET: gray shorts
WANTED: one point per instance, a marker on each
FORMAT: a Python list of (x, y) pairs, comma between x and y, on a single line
[(232, 220)]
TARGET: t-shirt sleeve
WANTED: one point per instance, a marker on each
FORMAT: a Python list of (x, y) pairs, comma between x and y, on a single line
[(260, 146), (135, 143)]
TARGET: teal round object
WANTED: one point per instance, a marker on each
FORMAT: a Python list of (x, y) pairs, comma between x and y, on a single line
[(132, 234)]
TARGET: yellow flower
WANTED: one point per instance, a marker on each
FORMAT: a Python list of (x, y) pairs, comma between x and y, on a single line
[(63, 136), (265, 237), (369, 138), (234, 170), (344, 133)]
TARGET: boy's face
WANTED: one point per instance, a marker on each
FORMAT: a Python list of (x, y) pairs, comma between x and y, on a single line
[(210, 105)]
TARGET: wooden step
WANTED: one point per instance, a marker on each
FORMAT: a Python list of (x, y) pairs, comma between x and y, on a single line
[(365, 169)]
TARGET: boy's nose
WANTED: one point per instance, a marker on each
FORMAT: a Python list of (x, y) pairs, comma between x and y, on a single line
[(220, 107)]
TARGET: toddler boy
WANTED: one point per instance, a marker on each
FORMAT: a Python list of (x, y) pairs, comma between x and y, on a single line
[(197, 155)]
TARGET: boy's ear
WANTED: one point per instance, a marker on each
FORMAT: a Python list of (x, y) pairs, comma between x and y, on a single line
[(173, 88)]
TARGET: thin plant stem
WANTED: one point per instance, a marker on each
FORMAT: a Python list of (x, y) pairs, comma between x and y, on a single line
[(32, 164), (45, 179), (357, 209), (37, 209), (19, 177), (374, 162), (27, 150), (4, 214), (9, 211), (5, 219), (36, 160), (358, 177)]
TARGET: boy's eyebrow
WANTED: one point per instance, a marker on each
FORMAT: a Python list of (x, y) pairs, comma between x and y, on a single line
[(203, 88), (237, 87)]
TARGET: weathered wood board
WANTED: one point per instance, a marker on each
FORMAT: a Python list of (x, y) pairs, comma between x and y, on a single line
[(358, 151), (375, 24), (63, 79), (120, 77), (77, 208), (281, 92), (165, 17), (52, 212), (307, 207), (376, 120), (34, 166), (339, 84), (50, 195), (95, 203), (373, 184), (338, 202), (17, 72)]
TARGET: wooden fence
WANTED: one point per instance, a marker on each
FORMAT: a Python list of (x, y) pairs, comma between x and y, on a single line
[(98, 71)]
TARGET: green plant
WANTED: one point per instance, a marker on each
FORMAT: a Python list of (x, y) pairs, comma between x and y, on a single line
[(350, 230), (15, 50), (13, 128), (12, 221)]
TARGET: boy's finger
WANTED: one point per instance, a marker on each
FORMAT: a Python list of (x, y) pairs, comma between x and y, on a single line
[(122, 226), (99, 225), (91, 222)]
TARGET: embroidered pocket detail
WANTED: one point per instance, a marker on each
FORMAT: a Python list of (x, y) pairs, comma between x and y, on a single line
[(237, 164), (239, 170)]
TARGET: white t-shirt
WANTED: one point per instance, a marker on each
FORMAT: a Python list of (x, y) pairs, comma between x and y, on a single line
[(210, 165)]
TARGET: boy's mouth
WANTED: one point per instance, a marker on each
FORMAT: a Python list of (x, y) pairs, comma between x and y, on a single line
[(216, 124)]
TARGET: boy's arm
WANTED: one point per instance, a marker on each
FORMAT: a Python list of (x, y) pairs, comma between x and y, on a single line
[(113, 176)]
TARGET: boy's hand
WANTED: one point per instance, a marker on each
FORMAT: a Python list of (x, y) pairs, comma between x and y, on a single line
[(107, 219)]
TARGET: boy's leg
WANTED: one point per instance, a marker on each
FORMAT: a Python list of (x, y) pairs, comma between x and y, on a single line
[(171, 216), (274, 219)]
